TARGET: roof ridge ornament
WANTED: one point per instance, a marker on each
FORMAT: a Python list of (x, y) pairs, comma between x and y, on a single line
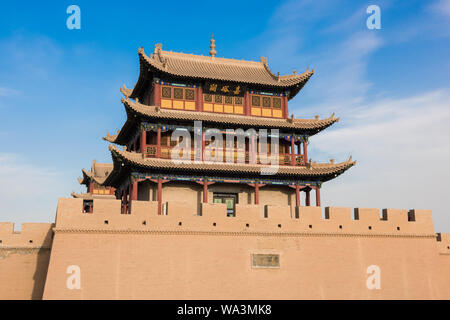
[(212, 52)]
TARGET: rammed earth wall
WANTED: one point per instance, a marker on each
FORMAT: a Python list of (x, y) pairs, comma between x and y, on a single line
[(188, 256)]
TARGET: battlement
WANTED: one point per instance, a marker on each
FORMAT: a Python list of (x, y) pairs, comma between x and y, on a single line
[(32, 235), (250, 219), (444, 243)]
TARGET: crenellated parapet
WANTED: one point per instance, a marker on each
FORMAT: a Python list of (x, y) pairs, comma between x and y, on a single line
[(33, 238), (249, 220), (444, 243)]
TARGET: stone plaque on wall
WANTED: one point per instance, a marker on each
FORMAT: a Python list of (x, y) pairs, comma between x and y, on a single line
[(263, 260)]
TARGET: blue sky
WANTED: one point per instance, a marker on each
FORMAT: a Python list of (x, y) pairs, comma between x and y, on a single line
[(59, 89)]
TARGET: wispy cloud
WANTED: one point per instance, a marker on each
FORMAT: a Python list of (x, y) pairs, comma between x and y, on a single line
[(441, 7), (6, 92), (402, 154), (29, 192)]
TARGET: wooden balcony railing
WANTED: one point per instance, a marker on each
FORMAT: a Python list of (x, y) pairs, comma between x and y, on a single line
[(166, 153)]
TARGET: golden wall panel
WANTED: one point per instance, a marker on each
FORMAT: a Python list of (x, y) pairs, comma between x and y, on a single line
[(238, 110), (189, 105), (177, 104), (166, 103), (277, 113), (208, 107), (228, 108), (256, 111), (266, 112), (218, 107)]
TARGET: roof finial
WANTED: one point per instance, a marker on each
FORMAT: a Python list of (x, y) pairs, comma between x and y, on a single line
[(212, 52)]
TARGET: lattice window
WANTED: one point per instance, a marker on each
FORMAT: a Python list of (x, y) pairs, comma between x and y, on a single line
[(189, 94), (207, 97), (277, 103), (218, 98), (266, 102), (178, 93), (256, 101), (238, 101), (228, 100), (166, 92)]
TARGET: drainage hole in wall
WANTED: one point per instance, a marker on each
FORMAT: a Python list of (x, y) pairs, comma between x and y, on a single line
[(31, 241), (398, 228), (279, 226), (106, 222), (247, 225), (144, 222), (340, 227), (179, 223), (310, 226), (214, 224), (370, 227)]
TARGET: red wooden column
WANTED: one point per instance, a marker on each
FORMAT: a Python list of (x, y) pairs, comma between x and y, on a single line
[(285, 107), (199, 104), (256, 186), (205, 185), (157, 94), (158, 143), (305, 152), (125, 201), (91, 186), (205, 192), (143, 141), (159, 196), (247, 107), (292, 151), (308, 197), (134, 190), (297, 195), (317, 197)]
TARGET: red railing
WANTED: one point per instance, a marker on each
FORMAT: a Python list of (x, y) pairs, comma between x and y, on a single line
[(166, 153)]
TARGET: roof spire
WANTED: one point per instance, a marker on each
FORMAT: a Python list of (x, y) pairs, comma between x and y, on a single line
[(212, 52)]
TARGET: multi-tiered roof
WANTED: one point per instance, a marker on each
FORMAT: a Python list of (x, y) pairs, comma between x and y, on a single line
[(149, 109)]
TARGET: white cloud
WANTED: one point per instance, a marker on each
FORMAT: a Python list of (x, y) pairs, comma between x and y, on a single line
[(442, 7), (6, 92), (401, 146), (29, 193)]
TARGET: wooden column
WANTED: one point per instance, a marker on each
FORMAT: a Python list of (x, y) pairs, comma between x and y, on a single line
[(305, 152), (158, 143), (292, 151), (159, 196), (125, 201), (256, 186), (297, 195), (205, 192), (308, 198), (199, 100), (157, 94), (247, 107), (143, 141), (134, 190), (285, 107), (317, 197), (91, 186)]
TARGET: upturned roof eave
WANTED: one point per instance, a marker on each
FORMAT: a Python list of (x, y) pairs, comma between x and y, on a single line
[(322, 172), (294, 83)]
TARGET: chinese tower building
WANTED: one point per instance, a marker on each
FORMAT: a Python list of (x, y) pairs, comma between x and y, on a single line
[(211, 195)]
